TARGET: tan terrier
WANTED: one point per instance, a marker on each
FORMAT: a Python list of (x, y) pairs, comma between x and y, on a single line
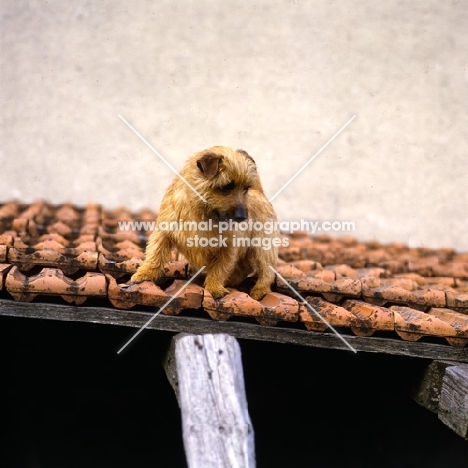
[(233, 233)]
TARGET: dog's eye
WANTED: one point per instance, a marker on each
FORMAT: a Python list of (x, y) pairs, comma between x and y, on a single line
[(227, 188)]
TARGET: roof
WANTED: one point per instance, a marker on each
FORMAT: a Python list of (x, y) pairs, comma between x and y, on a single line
[(79, 253)]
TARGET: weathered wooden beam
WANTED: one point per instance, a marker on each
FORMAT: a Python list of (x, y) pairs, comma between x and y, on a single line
[(453, 405), (251, 331), (443, 389), (206, 374)]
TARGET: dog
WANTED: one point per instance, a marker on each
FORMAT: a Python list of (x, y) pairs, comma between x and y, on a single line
[(219, 197)]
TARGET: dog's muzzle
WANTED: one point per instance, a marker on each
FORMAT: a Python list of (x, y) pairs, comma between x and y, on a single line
[(238, 214)]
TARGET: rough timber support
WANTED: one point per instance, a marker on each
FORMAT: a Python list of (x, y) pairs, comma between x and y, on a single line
[(444, 390), (207, 376)]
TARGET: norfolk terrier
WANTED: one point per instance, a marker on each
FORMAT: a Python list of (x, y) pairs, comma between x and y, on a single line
[(214, 214)]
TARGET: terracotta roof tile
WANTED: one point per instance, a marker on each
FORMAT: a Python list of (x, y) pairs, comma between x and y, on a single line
[(335, 315), (235, 303), (458, 301), (278, 307), (70, 261), (310, 284), (126, 296), (187, 297), (459, 322), (412, 324), (3, 253), (52, 281), (369, 317), (365, 287), (4, 267)]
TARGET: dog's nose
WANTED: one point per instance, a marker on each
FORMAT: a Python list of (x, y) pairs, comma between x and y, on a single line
[(240, 214)]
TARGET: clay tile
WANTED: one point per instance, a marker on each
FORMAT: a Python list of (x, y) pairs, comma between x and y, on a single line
[(70, 265), (67, 212), (377, 257), (146, 215), (119, 236), (4, 268), (395, 266), (328, 276), (3, 253), (191, 296), (93, 213), (235, 303), (211, 307), (84, 238), (60, 228), (49, 244), (383, 294), (456, 270), (322, 238), (33, 229), (126, 296), (298, 234), (313, 253), (20, 224), (307, 265), (55, 237), (52, 281), (411, 324), (9, 210), (127, 244), (309, 284), (352, 256), (175, 269), (328, 313), (278, 307), (459, 322), (418, 279), (289, 271), (460, 284), (442, 281), (424, 266), (290, 254), (6, 240), (349, 241), (116, 268), (19, 244), (459, 257), (369, 318), (429, 297), (131, 253), (344, 270), (457, 300), (373, 245), (405, 283), (376, 272)]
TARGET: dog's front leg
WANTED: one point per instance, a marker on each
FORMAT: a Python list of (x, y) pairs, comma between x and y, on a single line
[(218, 271), (158, 252)]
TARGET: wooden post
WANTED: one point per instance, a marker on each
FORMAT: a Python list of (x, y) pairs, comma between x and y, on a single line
[(444, 390), (206, 374)]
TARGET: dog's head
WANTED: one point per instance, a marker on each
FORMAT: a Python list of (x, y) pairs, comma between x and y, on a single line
[(225, 177)]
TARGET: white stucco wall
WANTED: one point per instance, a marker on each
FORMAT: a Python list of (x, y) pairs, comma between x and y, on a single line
[(276, 78)]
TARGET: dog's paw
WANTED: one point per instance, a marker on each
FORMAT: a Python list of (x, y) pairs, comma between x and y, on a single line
[(144, 275), (259, 293), (217, 292)]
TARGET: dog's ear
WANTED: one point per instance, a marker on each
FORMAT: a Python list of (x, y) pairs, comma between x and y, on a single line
[(247, 155), (209, 164)]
